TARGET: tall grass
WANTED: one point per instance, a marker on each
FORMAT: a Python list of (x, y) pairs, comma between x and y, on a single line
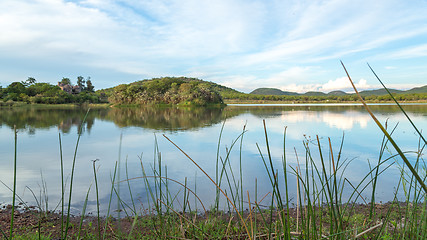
[(72, 175), (15, 160)]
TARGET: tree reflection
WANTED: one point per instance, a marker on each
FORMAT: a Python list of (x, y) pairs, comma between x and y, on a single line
[(162, 118), (170, 119)]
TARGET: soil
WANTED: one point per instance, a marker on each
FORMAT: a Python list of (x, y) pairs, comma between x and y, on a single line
[(30, 221)]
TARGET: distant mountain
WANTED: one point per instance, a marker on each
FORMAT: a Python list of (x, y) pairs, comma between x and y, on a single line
[(272, 91), (422, 89), (376, 92), (313, 93), (337, 93)]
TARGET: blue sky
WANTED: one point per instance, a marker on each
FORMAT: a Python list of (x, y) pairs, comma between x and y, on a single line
[(243, 44)]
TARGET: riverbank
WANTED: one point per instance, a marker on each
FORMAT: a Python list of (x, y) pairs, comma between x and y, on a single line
[(227, 101), (237, 101), (389, 218), (57, 106)]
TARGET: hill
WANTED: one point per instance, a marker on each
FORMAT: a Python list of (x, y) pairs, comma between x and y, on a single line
[(378, 92), (166, 90), (422, 89), (313, 93), (337, 93)]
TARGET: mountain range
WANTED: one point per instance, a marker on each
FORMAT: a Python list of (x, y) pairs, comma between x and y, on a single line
[(377, 92)]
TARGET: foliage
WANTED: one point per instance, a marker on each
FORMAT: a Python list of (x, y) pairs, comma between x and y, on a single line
[(328, 98), (31, 92), (167, 90), (65, 81)]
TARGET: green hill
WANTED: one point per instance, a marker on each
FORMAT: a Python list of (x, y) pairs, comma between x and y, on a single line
[(337, 93), (313, 93), (378, 92), (166, 90), (422, 89)]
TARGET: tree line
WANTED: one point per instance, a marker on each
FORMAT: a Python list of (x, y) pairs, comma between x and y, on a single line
[(329, 98), (31, 91)]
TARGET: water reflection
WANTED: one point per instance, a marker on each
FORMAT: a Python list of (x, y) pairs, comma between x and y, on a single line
[(31, 119), (173, 118), (170, 119)]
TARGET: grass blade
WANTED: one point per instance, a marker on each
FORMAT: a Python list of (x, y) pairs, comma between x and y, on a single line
[(397, 103), (405, 160), (72, 174), (14, 182)]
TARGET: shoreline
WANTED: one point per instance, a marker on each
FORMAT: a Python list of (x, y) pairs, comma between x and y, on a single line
[(226, 103), (30, 223)]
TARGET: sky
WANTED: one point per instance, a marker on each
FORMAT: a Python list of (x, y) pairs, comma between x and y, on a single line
[(293, 45)]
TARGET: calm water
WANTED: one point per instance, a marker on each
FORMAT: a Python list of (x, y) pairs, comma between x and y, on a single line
[(196, 131)]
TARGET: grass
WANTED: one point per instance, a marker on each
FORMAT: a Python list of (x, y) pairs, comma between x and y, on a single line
[(320, 211)]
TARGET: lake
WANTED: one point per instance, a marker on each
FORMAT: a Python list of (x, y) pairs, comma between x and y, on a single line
[(134, 135)]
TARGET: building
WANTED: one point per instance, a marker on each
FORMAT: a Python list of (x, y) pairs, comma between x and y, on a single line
[(68, 88)]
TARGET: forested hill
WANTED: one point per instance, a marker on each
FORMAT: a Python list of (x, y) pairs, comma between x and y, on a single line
[(168, 90)]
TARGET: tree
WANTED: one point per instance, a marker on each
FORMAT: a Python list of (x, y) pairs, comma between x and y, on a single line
[(15, 87), (89, 86), (30, 81), (81, 82), (66, 81)]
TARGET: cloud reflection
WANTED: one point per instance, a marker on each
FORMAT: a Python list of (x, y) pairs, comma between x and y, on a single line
[(343, 121)]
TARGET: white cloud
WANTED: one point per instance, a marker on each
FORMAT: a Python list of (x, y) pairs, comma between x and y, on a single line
[(253, 40), (341, 83), (344, 121), (410, 52)]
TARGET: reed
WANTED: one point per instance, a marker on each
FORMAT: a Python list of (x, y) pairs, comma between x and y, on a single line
[(72, 175), (97, 198), (15, 160)]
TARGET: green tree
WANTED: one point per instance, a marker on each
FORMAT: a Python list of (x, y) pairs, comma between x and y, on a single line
[(81, 82), (15, 87), (30, 81), (89, 85), (66, 81)]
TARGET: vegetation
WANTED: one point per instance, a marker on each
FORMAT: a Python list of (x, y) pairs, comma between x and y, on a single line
[(182, 91), (167, 90), (379, 95), (31, 92), (249, 98)]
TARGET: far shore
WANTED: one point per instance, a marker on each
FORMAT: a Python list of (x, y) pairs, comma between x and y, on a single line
[(236, 101), (233, 102)]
